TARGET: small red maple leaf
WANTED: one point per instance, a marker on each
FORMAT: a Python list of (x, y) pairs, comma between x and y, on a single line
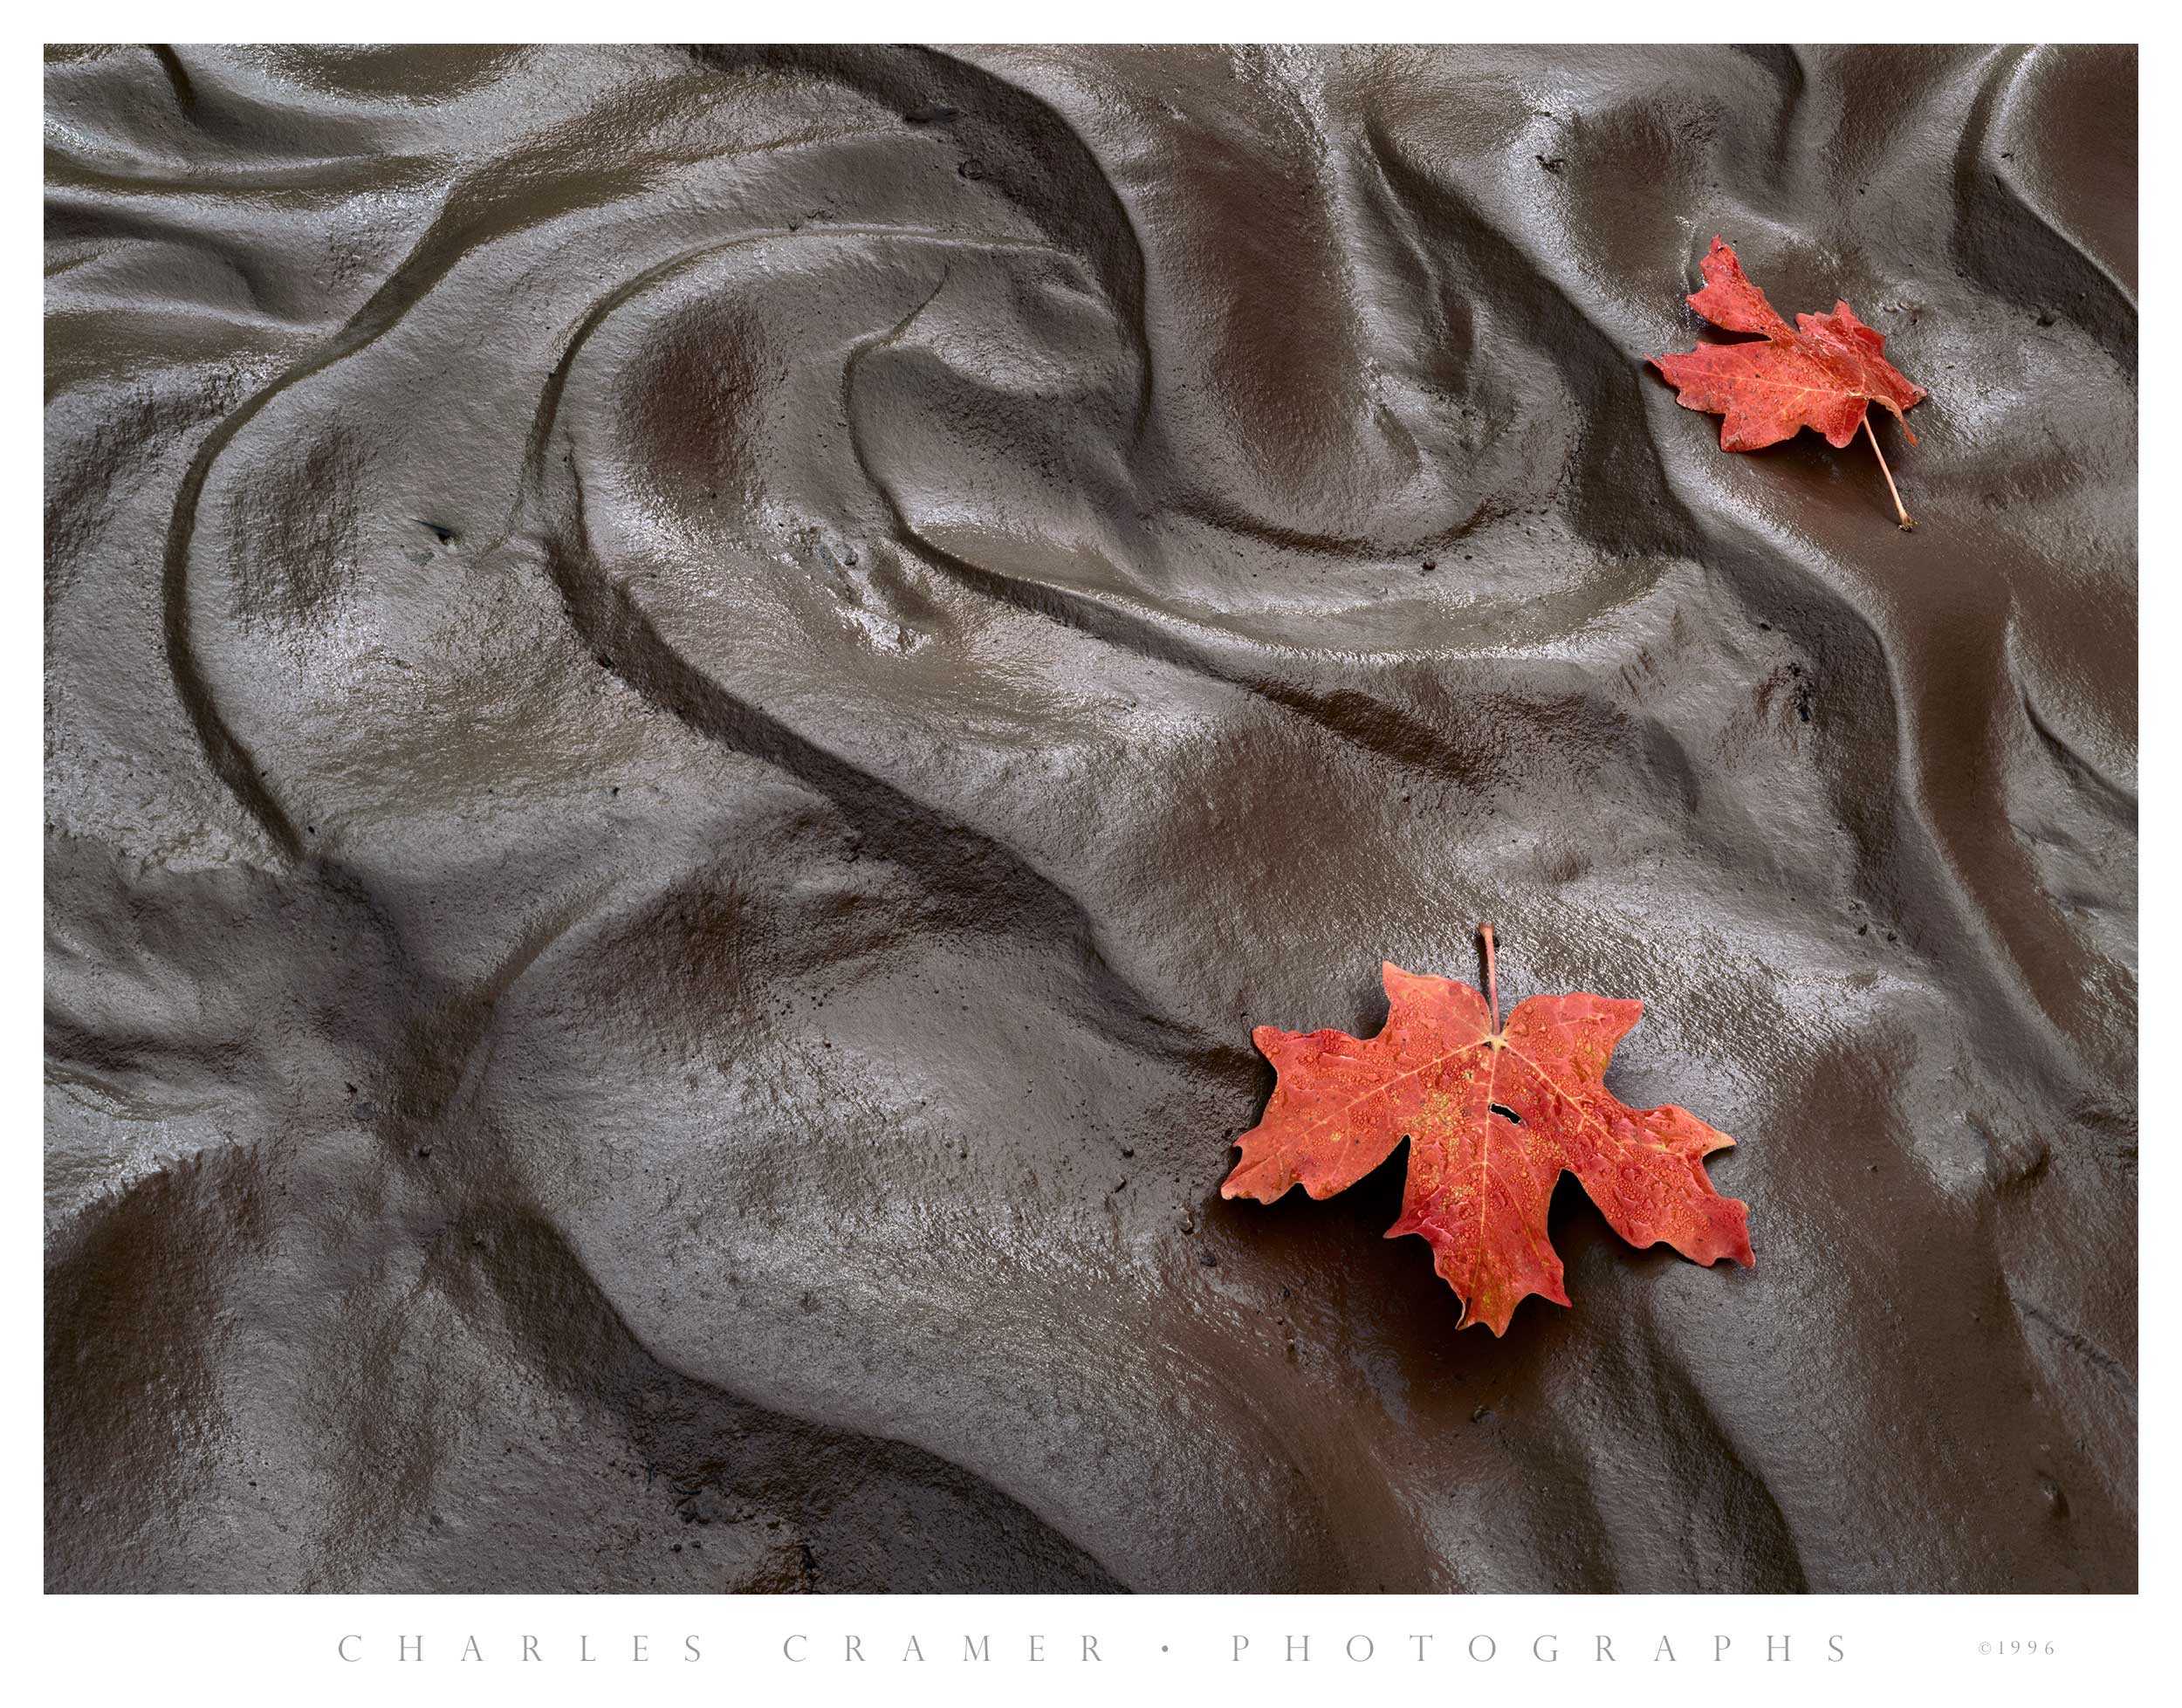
[(1823, 372), (1493, 1117)]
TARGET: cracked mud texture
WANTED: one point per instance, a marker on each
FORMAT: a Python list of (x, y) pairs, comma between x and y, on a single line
[(693, 698)]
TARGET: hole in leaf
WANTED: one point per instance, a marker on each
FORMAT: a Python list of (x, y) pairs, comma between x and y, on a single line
[(1503, 1110)]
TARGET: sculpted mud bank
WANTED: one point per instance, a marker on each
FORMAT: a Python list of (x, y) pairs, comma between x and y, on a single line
[(694, 697)]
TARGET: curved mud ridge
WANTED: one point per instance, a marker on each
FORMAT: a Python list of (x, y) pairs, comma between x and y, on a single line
[(695, 697)]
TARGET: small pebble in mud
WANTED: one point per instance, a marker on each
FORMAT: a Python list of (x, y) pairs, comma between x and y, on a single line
[(1208, 1260), (1481, 1414)]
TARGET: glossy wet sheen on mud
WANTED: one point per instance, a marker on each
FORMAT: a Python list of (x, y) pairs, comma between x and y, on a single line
[(694, 698)]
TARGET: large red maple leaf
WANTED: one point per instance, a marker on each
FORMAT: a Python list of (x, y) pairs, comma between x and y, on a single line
[(1493, 1118), (1823, 372)]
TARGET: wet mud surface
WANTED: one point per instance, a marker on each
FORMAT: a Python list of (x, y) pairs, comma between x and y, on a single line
[(695, 697)]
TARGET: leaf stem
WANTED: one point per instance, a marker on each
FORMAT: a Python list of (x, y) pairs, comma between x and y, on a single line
[(1492, 978), (1903, 516)]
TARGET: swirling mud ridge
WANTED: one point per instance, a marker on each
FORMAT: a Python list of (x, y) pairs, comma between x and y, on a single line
[(694, 698)]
